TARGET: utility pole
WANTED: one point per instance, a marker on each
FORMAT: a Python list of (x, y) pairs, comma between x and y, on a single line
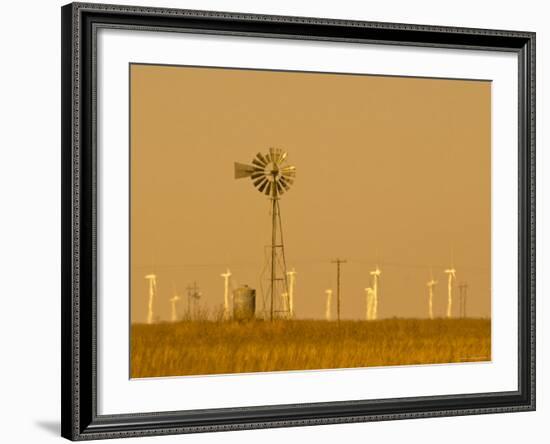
[(463, 288), (338, 262)]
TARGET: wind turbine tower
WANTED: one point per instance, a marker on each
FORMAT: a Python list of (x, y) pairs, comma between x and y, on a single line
[(375, 275), (174, 300), (328, 292), (152, 278), (451, 272), (431, 283), (226, 277), (291, 281), (286, 304), (369, 293)]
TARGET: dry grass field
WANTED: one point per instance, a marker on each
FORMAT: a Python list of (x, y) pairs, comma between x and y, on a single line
[(207, 347)]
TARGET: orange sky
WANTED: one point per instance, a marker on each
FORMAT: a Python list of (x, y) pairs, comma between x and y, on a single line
[(390, 170)]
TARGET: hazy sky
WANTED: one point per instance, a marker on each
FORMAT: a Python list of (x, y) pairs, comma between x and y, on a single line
[(390, 170)]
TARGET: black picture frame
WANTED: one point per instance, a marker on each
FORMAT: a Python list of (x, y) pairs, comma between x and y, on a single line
[(80, 420)]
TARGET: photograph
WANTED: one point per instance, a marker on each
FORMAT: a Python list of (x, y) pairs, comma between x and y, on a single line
[(297, 220), (291, 220)]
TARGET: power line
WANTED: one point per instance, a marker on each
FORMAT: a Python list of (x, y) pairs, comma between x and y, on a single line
[(312, 262)]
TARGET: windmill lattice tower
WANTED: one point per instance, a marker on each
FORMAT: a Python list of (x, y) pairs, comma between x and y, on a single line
[(272, 176)]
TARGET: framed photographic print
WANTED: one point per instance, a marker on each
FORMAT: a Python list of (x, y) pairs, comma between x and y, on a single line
[(278, 221)]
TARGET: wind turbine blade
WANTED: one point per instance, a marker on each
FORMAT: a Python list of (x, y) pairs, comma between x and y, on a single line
[(243, 170)]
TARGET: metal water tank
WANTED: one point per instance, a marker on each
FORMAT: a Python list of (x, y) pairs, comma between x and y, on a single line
[(244, 303)]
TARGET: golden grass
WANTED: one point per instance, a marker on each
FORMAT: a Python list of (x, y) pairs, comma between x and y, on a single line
[(206, 347)]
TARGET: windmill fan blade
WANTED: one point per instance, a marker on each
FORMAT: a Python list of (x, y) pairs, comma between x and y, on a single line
[(258, 163), (263, 185), (268, 189), (243, 170), (257, 171), (287, 181), (289, 171), (280, 189), (282, 156), (262, 159), (283, 183), (277, 155), (257, 174), (260, 181)]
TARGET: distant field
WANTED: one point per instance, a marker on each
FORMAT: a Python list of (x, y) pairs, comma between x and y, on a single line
[(206, 347)]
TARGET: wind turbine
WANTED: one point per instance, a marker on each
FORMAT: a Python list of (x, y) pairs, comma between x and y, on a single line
[(174, 300), (328, 292), (226, 277), (369, 293), (376, 275), (430, 284), (451, 272), (152, 278), (292, 280)]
